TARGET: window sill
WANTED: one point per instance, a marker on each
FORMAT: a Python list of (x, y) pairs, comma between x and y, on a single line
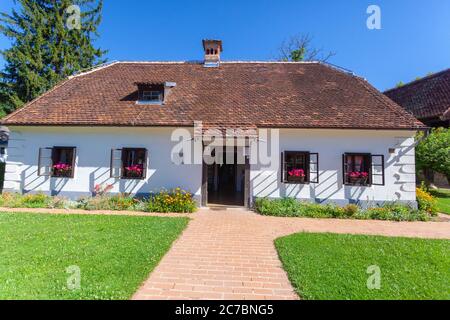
[(297, 182), (131, 178), (149, 103), (357, 185)]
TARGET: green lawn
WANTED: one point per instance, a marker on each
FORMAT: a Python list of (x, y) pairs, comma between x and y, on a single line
[(443, 198), (115, 254), (331, 266)]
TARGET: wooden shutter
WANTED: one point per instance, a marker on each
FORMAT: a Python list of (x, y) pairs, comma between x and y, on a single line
[(344, 168), (116, 164), (313, 168), (377, 176), (74, 157), (144, 173), (45, 162)]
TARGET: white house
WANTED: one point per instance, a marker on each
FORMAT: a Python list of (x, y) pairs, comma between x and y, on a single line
[(305, 130)]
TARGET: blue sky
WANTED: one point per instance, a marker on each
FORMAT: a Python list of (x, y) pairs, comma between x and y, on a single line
[(414, 39)]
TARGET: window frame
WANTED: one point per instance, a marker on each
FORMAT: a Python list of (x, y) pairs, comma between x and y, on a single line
[(147, 94), (307, 160), (52, 159), (368, 163), (123, 164)]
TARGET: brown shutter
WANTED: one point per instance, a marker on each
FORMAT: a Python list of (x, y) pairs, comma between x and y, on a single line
[(45, 162), (116, 163), (313, 168), (377, 177), (344, 168), (144, 173), (74, 157)]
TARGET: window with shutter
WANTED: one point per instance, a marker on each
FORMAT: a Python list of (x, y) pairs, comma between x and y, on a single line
[(357, 169), (299, 167), (133, 163), (58, 162)]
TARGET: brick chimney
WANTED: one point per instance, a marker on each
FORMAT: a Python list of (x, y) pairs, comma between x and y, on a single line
[(212, 49)]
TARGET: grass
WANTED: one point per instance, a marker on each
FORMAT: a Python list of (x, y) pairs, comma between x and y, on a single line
[(334, 267), (115, 254), (443, 198)]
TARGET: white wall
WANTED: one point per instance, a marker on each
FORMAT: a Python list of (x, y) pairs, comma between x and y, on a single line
[(93, 160), (331, 144), (93, 163)]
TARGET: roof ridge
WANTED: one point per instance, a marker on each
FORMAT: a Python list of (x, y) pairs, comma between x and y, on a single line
[(222, 62), (435, 74)]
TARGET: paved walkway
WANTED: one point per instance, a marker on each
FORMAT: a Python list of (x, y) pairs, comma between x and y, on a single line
[(231, 255)]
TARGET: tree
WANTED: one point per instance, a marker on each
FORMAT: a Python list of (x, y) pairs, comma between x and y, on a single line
[(299, 48), (433, 152), (51, 40)]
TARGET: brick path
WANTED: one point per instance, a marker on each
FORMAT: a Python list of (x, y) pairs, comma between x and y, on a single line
[(231, 255)]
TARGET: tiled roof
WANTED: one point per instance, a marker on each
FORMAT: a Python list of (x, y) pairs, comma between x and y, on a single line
[(262, 94), (425, 98)]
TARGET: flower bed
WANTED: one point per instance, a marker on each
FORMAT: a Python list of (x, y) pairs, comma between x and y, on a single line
[(165, 201), (289, 207)]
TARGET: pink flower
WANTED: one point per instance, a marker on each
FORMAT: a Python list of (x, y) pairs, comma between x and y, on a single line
[(356, 175), (135, 170), (300, 173), (62, 167)]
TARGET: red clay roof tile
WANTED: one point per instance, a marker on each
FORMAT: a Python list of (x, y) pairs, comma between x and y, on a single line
[(294, 95)]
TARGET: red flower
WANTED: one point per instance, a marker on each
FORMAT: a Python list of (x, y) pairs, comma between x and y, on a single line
[(300, 173), (135, 170)]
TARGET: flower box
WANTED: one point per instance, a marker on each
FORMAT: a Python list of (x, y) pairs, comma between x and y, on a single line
[(358, 178), (62, 170), (296, 175)]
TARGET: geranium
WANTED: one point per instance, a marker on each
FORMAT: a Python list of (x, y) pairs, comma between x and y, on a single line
[(135, 171), (62, 168), (357, 175), (300, 173)]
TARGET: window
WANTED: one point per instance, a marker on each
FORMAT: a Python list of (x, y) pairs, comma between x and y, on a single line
[(300, 167), (57, 162), (150, 93), (363, 169), (152, 96), (129, 163)]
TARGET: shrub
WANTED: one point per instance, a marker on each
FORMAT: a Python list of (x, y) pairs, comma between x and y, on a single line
[(290, 207), (15, 200), (122, 202), (426, 201), (176, 200), (351, 210)]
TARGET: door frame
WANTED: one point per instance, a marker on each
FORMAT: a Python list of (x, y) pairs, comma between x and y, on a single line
[(204, 188)]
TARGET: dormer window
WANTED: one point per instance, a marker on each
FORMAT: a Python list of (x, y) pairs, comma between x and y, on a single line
[(150, 93), (153, 93), (152, 96)]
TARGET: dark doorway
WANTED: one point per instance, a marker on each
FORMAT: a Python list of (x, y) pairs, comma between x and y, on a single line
[(226, 182)]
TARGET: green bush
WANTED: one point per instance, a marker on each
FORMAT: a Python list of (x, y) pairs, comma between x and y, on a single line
[(426, 201), (14, 200), (176, 200), (115, 203), (290, 207)]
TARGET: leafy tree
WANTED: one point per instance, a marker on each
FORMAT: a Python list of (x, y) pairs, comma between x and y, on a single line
[(51, 39), (299, 48), (433, 152), (400, 84)]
